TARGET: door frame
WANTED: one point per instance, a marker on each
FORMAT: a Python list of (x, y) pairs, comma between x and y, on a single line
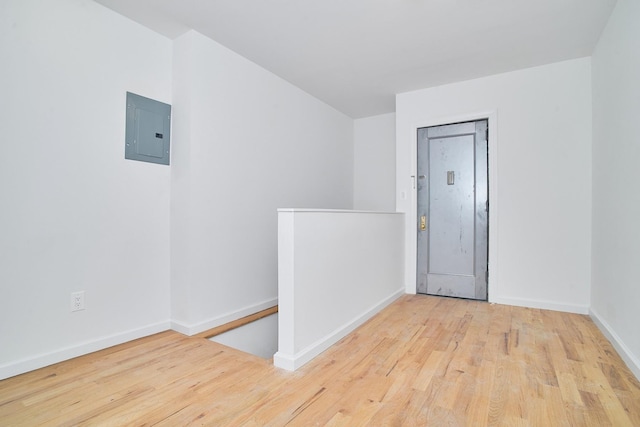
[(411, 263)]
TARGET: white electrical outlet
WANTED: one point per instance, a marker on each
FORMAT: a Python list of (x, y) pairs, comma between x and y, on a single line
[(77, 301)]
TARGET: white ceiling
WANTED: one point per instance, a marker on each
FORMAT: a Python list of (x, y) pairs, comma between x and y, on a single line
[(355, 55)]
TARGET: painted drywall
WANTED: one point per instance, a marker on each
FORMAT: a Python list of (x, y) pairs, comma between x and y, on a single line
[(75, 214), (374, 170), (540, 177), (247, 143), (336, 270), (259, 337), (615, 294)]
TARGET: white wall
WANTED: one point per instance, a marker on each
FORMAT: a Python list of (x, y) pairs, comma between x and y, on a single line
[(540, 173), (615, 294), (336, 269), (259, 337), (75, 215), (246, 143), (374, 172)]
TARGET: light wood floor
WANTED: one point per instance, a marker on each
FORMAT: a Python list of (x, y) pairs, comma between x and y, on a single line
[(422, 361)]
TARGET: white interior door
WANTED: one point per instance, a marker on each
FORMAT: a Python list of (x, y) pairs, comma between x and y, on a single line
[(453, 210)]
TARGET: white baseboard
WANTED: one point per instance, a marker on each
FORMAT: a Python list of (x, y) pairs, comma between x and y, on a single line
[(45, 359), (545, 305), (291, 362), (196, 328), (625, 353), (285, 361)]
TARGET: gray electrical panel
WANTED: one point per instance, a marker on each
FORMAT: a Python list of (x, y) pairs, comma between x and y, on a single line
[(148, 130)]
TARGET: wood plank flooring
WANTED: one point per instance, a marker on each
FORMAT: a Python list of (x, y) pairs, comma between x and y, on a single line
[(422, 361)]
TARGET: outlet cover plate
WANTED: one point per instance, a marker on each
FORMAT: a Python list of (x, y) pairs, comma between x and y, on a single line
[(77, 301)]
